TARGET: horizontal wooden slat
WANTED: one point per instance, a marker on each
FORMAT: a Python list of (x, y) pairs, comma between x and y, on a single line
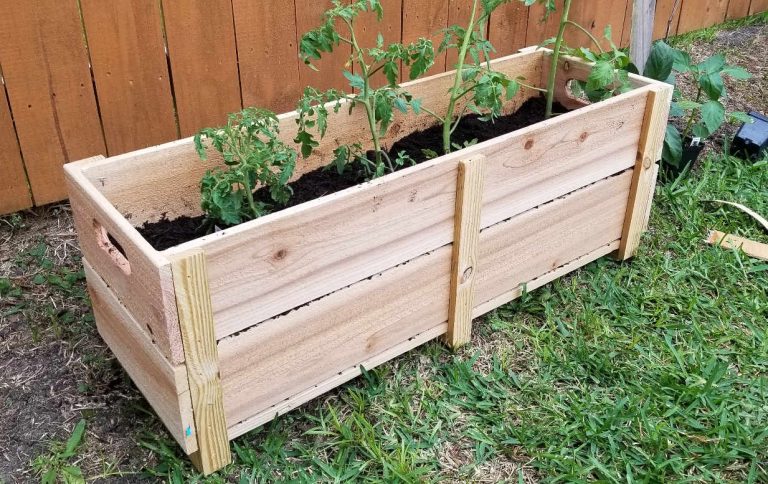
[(144, 284), (171, 172), (382, 312), (165, 386), (239, 428), (317, 248)]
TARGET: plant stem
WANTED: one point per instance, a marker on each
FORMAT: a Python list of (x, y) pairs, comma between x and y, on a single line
[(589, 34), (556, 58), (367, 102), (448, 120), (692, 117)]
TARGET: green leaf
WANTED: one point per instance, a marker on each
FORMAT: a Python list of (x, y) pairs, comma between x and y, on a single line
[(712, 65), (688, 105), (712, 115), (736, 72), (660, 62), (740, 117), (357, 82), (712, 85), (601, 75), (682, 61), (75, 438), (673, 146)]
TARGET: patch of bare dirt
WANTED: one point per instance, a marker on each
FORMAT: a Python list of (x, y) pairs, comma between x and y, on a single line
[(54, 368)]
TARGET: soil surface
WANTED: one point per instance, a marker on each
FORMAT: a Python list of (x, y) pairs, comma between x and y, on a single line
[(167, 233)]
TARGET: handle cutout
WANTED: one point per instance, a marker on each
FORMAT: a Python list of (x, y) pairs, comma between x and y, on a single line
[(112, 247)]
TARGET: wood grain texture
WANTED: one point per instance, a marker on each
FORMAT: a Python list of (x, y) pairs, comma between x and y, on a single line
[(667, 18), (758, 6), (193, 300), (147, 291), (737, 9), (260, 44), (698, 14), (595, 16), (390, 27), (329, 74), (389, 221), (342, 377), (641, 37), (203, 56), (459, 13), (172, 172), (14, 190), (45, 68), (165, 386), (426, 18), (752, 248), (649, 152), (464, 260), (376, 314), (130, 71), (507, 28), (361, 321)]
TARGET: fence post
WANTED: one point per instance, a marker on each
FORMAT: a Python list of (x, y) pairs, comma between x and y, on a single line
[(643, 15)]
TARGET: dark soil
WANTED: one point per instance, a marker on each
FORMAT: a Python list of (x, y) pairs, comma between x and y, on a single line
[(166, 233)]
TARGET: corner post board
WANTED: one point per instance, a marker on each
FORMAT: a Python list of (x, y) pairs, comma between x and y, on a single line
[(643, 179), (469, 202), (193, 300)]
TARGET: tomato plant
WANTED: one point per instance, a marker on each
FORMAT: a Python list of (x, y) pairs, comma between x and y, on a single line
[(253, 155)]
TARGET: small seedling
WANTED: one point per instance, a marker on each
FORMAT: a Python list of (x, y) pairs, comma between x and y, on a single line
[(705, 113), (56, 466), (379, 103), (253, 155)]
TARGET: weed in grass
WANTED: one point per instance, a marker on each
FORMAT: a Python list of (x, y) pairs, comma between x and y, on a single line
[(57, 465)]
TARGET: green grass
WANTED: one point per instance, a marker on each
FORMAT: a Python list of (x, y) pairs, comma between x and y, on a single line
[(650, 371), (707, 35)]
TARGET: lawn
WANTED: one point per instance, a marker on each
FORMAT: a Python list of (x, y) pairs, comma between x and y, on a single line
[(654, 370)]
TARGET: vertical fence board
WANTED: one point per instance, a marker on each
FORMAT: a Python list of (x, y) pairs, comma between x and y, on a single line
[(507, 28), (203, 54), (758, 6), (426, 18), (594, 16), (737, 9), (459, 12), (699, 14), (45, 65), (309, 15), (131, 73), (14, 192), (269, 72), (667, 17), (390, 27)]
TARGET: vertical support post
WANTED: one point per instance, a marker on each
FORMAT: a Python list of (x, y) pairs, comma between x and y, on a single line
[(469, 201), (193, 300), (644, 176), (641, 39)]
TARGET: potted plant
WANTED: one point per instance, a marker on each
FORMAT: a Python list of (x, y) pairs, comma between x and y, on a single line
[(694, 119), (222, 332)]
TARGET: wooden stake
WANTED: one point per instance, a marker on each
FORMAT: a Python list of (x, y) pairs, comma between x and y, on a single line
[(193, 300), (727, 241), (641, 40), (469, 201), (643, 180)]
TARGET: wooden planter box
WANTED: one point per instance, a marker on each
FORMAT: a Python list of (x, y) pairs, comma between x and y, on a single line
[(223, 333)]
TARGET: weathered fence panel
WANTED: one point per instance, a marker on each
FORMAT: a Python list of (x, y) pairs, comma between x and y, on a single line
[(91, 77)]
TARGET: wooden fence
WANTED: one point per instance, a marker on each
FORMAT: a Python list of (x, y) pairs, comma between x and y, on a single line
[(88, 77)]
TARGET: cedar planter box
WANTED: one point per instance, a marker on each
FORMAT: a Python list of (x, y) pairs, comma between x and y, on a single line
[(225, 332)]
